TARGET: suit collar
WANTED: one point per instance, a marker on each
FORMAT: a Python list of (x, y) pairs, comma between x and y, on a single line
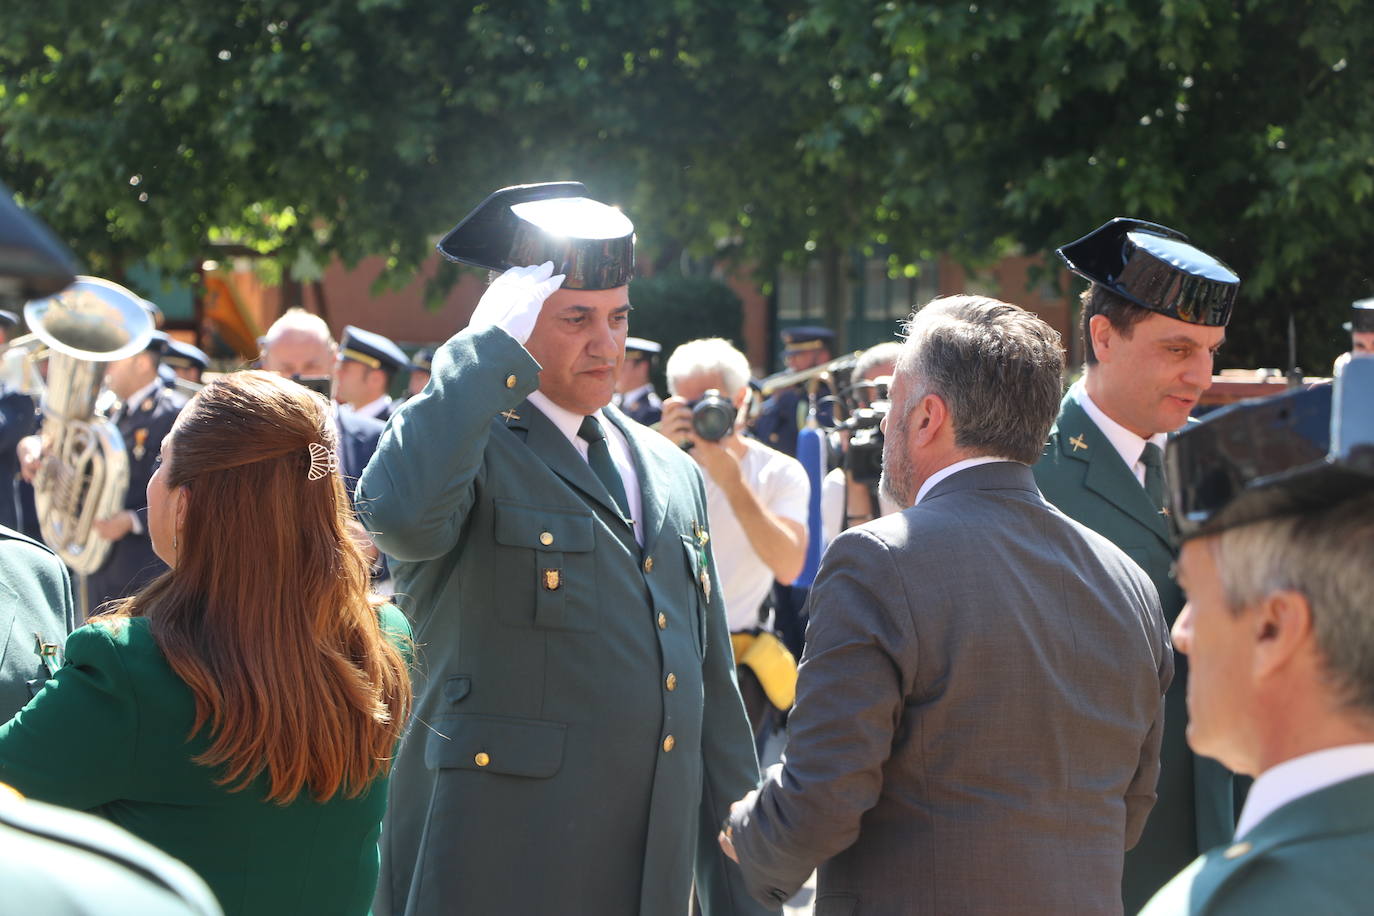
[(1106, 473), (554, 448), (653, 495), (998, 475)]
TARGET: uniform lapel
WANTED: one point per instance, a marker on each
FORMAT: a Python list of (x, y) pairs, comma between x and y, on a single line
[(653, 494), (553, 448), (1106, 474)]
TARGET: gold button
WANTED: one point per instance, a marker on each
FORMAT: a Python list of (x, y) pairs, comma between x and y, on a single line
[(671, 682), (669, 742), (546, 539), (1236, 851), (481, 759), (662, 621), (510, 381), (648, 564)]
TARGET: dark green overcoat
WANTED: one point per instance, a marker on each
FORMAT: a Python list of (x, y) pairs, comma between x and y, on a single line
[(1084, 475), (1313, 855), (578, 736)]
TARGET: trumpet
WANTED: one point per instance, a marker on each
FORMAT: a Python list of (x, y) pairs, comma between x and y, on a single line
[(822, 373)]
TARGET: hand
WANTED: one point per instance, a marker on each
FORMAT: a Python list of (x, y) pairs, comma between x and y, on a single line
[(30, 453), (513, 302), (116, 526), (712, 457), (726, 838)]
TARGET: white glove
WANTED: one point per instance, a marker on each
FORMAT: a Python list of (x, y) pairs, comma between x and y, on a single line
[(513, 302)]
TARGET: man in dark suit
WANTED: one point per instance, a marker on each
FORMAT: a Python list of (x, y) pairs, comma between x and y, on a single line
[(578, 734), (1153, 318), (145, 416), (634, 393), (980, 702), (1277, 516)]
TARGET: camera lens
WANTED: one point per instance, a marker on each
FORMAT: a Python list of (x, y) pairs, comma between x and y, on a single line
[(713, 416)]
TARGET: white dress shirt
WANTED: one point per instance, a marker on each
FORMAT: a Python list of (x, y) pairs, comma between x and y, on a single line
[(1127, 444), (950, 470), (569, 423), (1292, 779), (372, 408)]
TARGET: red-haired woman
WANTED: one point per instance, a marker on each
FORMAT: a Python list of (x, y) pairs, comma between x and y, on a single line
[(241, 711)]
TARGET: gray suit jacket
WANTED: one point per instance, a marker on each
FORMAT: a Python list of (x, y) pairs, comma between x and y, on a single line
[(35, 604), (578, 735), (978, 714)]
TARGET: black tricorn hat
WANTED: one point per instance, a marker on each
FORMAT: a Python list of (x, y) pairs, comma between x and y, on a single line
[(1157, 268), (590, 243), (1292, 454), (33, 263), (1361, 316)]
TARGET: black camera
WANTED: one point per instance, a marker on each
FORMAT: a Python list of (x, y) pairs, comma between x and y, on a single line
[(713, 416), (864, 458)]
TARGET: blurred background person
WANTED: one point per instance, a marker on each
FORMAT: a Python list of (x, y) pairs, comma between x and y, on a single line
[(186, 361), (757, 501), (16, 422), (420, 365), (634, 391), (242, 710), (784, 412), (362, 377), (850, 491)]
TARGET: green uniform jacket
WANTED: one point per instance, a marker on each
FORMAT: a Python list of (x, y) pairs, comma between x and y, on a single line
[(1083, 474), (108, 735), (579, 736), (1314, 855), (35, 603)]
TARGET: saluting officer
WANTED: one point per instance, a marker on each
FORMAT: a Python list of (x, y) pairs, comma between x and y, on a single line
[(1153, 319), (785, 411), (577, 678), (367, 364)]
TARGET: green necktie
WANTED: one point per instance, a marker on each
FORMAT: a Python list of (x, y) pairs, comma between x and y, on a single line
[(599, 457), (1153, 459)]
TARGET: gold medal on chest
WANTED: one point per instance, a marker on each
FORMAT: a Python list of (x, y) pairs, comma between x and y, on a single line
[(140, 443), (553, 578)]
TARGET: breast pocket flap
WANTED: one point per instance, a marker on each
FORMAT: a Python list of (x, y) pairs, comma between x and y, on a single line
[(496, 744), (543, 528)]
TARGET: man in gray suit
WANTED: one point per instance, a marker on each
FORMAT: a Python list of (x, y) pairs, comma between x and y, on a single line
[(979, 708), (578, 735)]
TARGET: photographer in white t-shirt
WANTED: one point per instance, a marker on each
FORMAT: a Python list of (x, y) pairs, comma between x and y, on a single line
[(757, 502)]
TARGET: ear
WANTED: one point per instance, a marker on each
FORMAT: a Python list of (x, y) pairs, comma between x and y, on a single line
[(928, 419), (742, 398), (1281, 630), (1102, 336)]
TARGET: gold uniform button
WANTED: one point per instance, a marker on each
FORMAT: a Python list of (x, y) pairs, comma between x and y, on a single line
[(481, 759), (671, 682), (669, 742), (662, 621), (1238, 850), (510, 381), (546, 538), (648, 564)]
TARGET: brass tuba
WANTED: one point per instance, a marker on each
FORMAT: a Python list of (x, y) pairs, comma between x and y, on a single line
[(85, 470)]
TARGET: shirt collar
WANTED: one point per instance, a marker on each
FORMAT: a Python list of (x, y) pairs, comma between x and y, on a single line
[(950, 470), (1127, 444), (1292, 779), (567, 421), (373, 408), (630, 397), (147, 391)]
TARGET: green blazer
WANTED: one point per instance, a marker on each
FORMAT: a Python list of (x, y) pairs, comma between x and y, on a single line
[(108, 735), (1082, 474), (35, 604), (1314, 855), (578, 736)]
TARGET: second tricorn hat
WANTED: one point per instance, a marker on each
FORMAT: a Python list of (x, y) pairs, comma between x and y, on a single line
[(590, 243), (1155, 267), (1361, 316)]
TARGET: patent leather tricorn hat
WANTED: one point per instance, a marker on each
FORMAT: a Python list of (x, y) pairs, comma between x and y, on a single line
[(1361, 316), (590, 243), (1157, 268), (1292, 454)]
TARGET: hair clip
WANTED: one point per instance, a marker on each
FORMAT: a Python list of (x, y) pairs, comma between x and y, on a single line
[(323, 461)]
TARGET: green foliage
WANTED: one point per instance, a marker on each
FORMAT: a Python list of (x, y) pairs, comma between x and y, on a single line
[(672, 309)]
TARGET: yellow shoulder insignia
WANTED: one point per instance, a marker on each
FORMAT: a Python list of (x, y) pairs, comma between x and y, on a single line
[(1077, 442)]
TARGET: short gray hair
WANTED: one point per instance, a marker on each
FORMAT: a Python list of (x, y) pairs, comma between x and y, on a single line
[(1328, 558), (297, 319), (713, 355), (998, 368), (877, 355)]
